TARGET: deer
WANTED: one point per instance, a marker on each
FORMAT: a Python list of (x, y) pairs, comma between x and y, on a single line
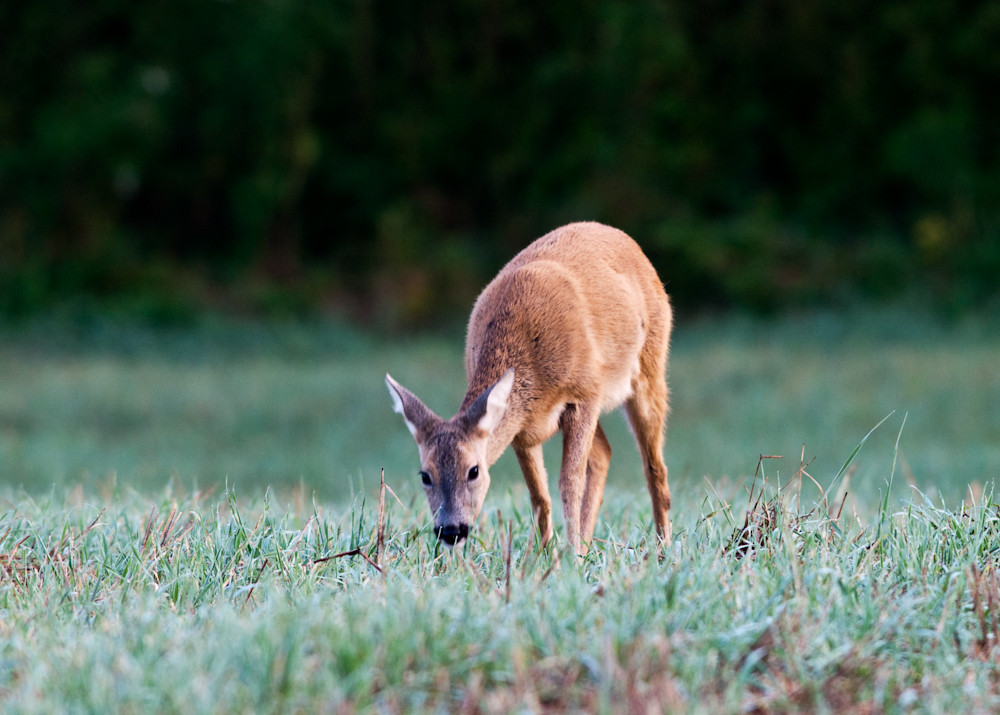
[(577, 324)]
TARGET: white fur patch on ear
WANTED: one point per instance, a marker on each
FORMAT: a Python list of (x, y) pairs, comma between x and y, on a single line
[(496, 403), (397, 402)]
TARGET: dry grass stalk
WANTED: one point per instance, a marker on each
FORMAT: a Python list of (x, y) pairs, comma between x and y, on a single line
[(759, 520), (984, 587)]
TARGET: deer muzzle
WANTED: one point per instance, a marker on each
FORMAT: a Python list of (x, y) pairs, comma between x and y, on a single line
[(451, 534)]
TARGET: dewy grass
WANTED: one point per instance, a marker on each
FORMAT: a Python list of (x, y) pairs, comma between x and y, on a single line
[(235, 600), (209, 605)]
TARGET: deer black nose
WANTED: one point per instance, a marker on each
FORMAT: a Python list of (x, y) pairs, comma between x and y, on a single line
[(451, 534)]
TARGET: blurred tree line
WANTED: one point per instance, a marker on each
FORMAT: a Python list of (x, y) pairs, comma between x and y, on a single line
[(386, 156)]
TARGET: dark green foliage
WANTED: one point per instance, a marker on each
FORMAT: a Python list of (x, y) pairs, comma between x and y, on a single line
[(299, 152)]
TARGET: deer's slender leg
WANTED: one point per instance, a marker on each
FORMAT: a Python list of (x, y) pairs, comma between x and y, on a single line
[(578, 423), (533, 467), (647, 411), (597, 475)]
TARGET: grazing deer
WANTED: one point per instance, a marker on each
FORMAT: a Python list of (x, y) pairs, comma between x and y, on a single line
[(575, 325)]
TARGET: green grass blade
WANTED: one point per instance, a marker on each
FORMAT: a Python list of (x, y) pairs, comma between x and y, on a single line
[(850, 458)]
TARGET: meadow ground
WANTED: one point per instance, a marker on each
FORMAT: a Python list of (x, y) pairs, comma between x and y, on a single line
[(216, 606), (132, 578)]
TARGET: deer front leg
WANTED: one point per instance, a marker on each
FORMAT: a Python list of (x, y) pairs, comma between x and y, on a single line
[(578, 423), (533, 467), (597, 475)]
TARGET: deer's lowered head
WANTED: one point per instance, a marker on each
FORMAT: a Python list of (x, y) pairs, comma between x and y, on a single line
[(455, 454)]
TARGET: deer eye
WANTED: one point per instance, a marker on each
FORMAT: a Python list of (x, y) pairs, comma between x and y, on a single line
[(426, 479), (473, 473)]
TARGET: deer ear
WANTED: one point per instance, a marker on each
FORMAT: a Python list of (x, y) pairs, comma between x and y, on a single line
[(416, 414), (489, 408)]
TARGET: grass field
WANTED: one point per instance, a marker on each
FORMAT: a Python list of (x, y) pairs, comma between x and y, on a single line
[(304, 406), (213, 605), (132, 578)]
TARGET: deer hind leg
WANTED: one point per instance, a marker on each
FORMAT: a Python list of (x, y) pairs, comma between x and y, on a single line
[(597, 475), (533, 468), (578, 423), (647, 412)]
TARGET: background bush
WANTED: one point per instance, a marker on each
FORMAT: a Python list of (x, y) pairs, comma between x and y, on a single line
[(384, 157)]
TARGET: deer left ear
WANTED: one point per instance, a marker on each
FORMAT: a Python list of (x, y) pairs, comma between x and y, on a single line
[(419, 418), (489, 408)]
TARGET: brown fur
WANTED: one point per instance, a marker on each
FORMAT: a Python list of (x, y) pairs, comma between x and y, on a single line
[(582, 319)]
